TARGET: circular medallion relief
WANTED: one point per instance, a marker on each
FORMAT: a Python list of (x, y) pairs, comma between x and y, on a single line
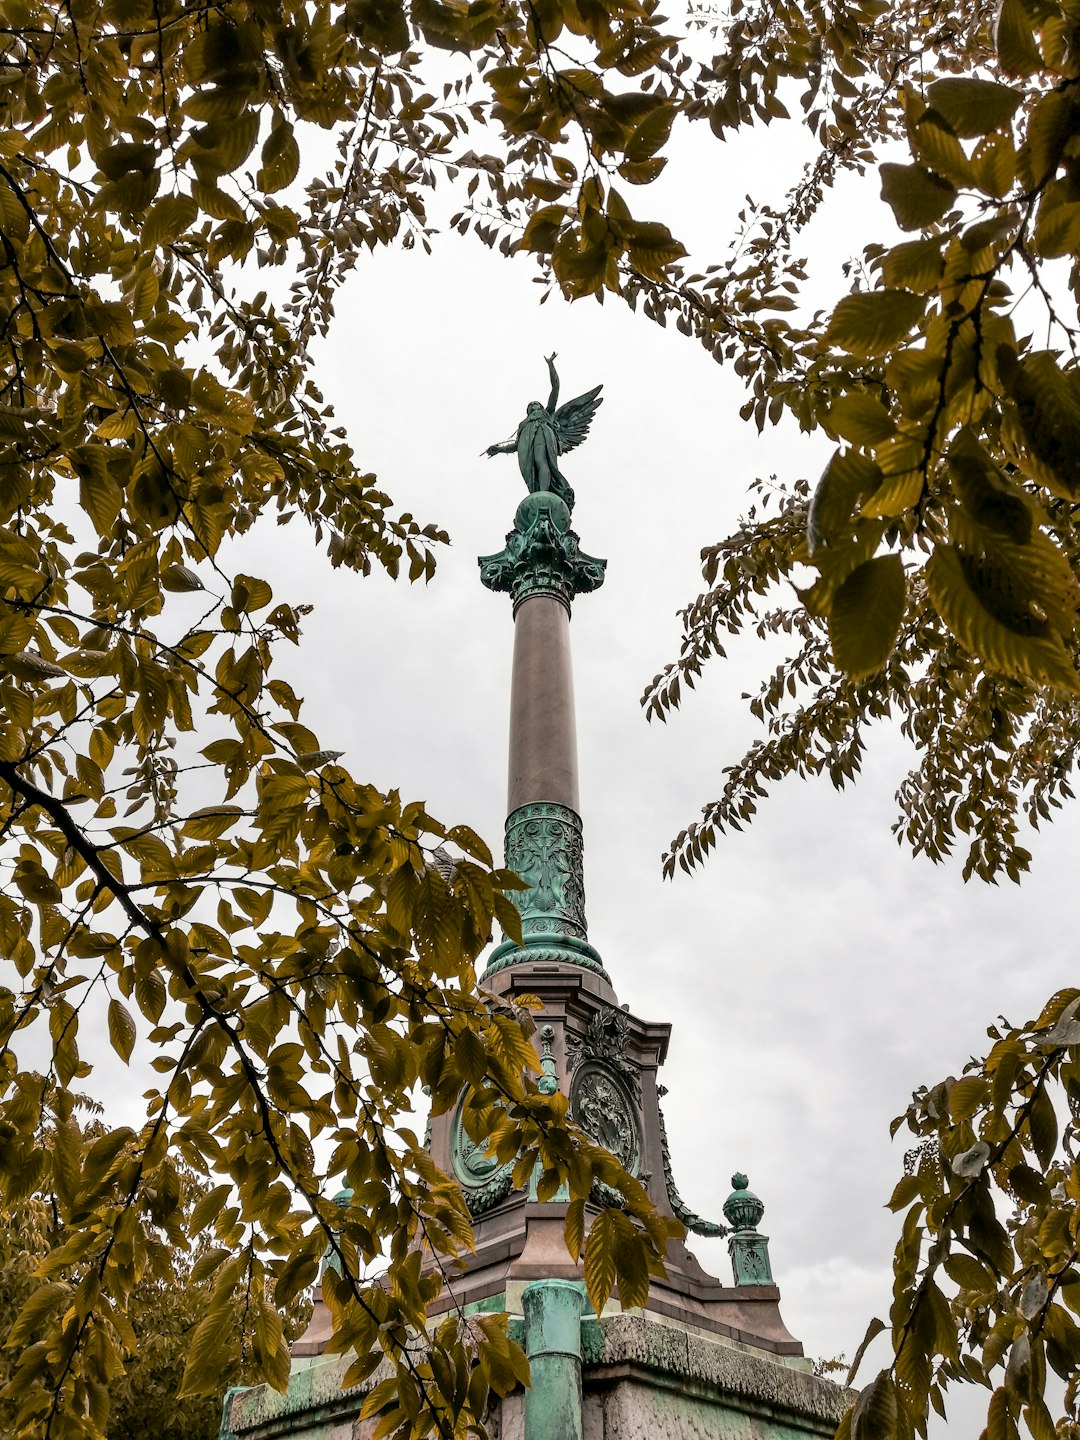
[(480, 1175), (602, 1107)]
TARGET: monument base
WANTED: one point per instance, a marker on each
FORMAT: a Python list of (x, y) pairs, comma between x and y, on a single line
[(641, 1378)]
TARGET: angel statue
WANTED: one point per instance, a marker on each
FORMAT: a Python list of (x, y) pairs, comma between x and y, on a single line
[(545, 434)]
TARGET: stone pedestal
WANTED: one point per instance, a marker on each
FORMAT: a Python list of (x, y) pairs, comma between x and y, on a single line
[(639, 1379), (607, 1062)]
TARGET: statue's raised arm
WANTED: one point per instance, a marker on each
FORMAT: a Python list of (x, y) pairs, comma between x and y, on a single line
[(547, 433), (553, 398)]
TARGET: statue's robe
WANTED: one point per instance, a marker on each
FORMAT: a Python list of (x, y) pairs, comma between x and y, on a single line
[(537, 452)]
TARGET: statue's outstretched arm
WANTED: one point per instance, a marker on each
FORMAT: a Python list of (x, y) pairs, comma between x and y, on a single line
[(554, 400), (508, 447)]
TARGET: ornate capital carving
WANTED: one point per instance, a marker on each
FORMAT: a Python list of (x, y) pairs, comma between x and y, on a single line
[(542, 555)]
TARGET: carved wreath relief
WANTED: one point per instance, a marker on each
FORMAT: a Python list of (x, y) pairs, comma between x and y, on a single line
[(605, 1091), (600, 1105), (483, 1180)]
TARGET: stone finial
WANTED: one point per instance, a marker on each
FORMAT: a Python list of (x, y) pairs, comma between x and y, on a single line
[(749, 1250), (742, 1209)]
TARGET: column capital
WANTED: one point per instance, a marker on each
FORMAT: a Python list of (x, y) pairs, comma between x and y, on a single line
[(542, 555)]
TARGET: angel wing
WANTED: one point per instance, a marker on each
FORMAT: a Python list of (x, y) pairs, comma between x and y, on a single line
[(573, 419)]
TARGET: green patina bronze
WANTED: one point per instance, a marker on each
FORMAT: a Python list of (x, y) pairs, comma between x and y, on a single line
[(332, 1259), (553, 1345), (549, 1081), (544, 846), (542, 555), (546, 433), (484, 1182), (749, 1251)]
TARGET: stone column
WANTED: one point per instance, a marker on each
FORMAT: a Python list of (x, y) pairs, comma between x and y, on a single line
[(553, 1344), (543, 738), (543, 568)]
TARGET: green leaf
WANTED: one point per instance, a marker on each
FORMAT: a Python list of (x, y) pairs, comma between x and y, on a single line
[(41, 1301), (212, 1352), (918, 197), (973, 106), (600, 1268), (99, 493), (575, 1227), (632, 1266), (168, 219), (378, 1397), (280, 157), (1047, 401), (872, 322), (865, 616), (1043, 1127), (914, 265), (861, 418), (873, 1330), (180, 579), (1057, 231), (1034, 1296), (966, 1096), (876, 1414)]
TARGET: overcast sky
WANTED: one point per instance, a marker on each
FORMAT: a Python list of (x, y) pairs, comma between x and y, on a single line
[(814, 973)]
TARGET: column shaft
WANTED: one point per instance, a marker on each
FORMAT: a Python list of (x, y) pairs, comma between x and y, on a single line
[(543, 741)]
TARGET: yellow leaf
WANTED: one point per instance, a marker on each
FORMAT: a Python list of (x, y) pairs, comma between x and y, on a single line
[(1039, 657), (121, 1029)]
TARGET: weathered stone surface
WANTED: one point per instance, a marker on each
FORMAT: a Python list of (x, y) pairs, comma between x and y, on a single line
[(640, 1380), (315, 1406), (634, 1358), (637, 1411)]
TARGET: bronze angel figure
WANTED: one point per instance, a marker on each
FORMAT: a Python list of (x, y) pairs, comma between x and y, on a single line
[(547, 433)]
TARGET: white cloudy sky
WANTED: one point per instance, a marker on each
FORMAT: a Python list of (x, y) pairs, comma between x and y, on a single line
[(814, 973)]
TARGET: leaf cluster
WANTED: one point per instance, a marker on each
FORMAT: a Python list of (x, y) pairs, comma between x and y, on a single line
[(189, 868), (986, 1285), (936, 559), (167, 1304)]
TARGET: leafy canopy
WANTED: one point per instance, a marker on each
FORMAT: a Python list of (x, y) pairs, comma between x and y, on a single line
[(986, 1286), (167, 1304), (295, 946), (189, 869), (935, 560), (936, 569)]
